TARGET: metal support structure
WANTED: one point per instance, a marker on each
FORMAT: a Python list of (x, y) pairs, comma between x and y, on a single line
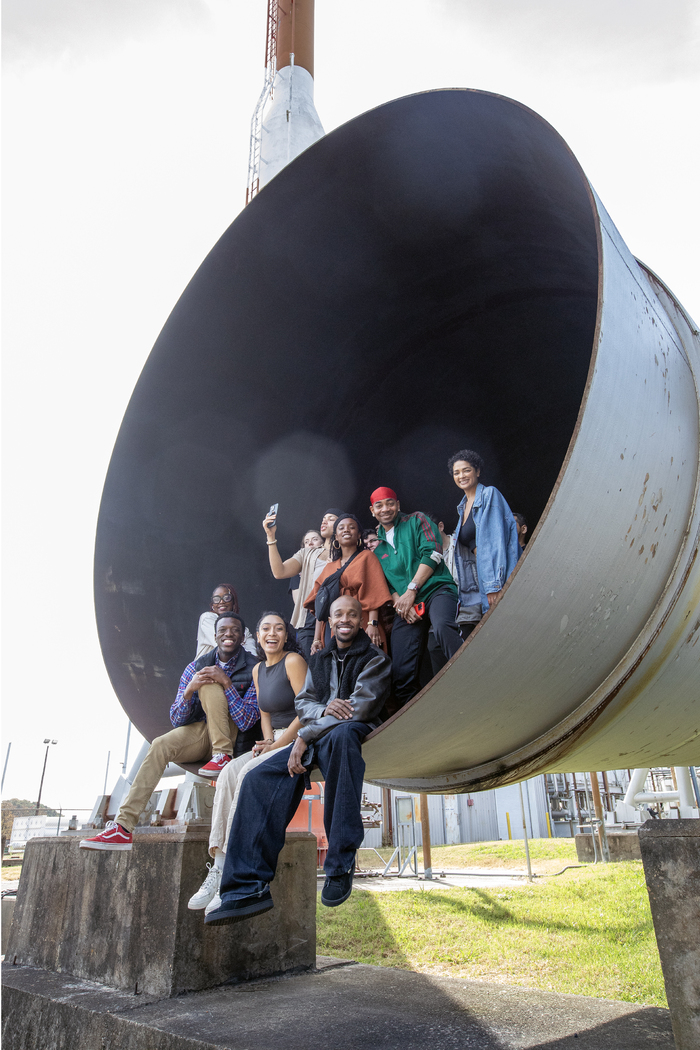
[(256, 123), (126, 748), (696, 788), (589, 810), (600, 820), (387, 818), (406, 852), (683, 794), (425, 825), (527, 844)]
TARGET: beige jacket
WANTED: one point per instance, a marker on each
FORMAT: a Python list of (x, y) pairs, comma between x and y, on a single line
[(312, 560)]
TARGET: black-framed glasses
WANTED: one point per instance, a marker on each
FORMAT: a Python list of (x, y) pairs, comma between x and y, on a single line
[(220, 599)]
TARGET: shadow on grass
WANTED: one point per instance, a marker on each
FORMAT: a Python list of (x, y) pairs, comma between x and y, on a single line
[(493, 911), (425, 1017), (396, 1008)]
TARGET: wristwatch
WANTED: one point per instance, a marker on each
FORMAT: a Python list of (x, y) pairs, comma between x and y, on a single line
[(373, 623), (413, 587)]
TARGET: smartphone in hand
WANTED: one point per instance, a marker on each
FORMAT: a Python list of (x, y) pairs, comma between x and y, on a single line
[(272, 512)]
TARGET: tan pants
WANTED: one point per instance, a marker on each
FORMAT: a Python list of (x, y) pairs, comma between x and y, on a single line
[(195, 742), (228, 788)]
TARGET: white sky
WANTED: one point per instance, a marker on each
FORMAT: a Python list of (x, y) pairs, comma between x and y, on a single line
[(126, 129)]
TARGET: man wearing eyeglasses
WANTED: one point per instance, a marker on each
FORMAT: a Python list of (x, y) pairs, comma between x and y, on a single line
[(214, 716)]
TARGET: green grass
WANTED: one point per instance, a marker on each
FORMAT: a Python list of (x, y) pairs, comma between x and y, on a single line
[(546, 855), (587, 932)]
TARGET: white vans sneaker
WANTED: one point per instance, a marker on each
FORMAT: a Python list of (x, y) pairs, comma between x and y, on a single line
[(207, 891), (213, 904)]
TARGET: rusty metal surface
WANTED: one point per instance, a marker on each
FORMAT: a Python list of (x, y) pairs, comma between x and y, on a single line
[(449, 280)]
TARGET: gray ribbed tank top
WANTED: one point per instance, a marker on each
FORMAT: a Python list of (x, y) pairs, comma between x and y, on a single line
[(275, 694)]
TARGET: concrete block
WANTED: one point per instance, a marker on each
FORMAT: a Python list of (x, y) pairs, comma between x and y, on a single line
[(350, 1007), (623, 845), (121, 918), (8, 910), (671, 857)]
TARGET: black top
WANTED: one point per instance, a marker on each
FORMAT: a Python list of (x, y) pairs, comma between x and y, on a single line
[(467, 533), (275, 694)]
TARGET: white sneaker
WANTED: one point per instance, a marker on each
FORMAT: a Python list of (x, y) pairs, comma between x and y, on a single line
[(208, 890), (213, 904)]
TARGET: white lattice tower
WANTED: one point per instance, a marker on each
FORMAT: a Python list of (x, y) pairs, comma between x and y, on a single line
[(266, 93)]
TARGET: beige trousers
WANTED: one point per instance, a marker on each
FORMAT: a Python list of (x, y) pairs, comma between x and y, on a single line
[(228, 787), (195, 742)]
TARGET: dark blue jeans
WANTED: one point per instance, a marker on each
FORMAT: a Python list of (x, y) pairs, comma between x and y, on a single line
[(408, 641), (269, 798)]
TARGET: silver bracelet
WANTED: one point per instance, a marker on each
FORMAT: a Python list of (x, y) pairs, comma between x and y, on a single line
[(272, 543)]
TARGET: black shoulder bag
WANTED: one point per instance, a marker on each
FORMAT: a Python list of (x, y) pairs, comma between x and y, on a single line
[(329, 591)]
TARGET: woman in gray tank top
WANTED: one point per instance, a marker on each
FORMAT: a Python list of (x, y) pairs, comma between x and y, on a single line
[(278, 678)]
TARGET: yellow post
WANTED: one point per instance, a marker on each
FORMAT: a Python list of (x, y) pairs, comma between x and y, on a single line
[(510, 833), (549, 825)]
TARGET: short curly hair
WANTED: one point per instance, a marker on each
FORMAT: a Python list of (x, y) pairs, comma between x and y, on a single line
[(469, 456), (229, 616), (290, 643)]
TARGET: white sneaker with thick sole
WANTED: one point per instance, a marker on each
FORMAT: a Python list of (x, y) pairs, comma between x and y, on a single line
[(207, 891), (213, 904)]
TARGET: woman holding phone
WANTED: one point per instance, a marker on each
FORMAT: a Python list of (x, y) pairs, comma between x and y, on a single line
[(307, 563)]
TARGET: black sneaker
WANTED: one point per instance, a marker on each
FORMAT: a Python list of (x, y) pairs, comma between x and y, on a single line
[(244, 908), (337, 888)]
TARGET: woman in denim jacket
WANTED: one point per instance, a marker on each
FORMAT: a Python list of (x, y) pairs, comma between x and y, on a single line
[(485, 544)]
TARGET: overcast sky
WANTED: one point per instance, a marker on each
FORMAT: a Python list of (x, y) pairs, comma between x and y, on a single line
[(126, 132)]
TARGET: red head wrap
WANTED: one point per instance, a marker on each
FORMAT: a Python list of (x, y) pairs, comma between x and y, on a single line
[(382, 493)]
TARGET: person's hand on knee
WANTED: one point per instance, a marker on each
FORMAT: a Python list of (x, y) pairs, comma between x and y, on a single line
[(294, 763)]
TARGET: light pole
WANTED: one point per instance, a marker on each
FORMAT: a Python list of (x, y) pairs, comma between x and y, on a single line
[(41, 785), (4, 770)]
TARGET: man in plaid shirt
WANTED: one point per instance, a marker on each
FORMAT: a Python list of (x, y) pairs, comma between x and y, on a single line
[(215, 714)]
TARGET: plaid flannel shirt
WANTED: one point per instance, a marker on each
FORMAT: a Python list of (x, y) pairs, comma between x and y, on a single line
[(243, 709)]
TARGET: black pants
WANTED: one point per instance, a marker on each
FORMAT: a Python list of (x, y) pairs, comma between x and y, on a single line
[(269, 799), (408, 642), (305, 638), (437, 657)]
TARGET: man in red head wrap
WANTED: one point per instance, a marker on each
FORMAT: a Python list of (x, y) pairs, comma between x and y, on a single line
[(410, 553)]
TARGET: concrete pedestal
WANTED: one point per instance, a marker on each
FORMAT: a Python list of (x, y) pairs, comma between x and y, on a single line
[(623, 845), (671, 857), (121, 918), (337, 1007)]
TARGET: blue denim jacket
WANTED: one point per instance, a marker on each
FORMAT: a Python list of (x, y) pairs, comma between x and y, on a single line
[(497, 547)]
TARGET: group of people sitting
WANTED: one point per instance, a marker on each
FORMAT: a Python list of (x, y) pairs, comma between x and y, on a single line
[(266, 710)]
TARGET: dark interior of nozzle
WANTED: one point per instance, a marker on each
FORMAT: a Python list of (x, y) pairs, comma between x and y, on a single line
[(422, 280)]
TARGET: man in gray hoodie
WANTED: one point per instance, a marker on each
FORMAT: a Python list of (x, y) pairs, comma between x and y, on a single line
[(346, 686)]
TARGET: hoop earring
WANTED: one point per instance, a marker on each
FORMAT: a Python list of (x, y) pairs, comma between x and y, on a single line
[(336, 545)]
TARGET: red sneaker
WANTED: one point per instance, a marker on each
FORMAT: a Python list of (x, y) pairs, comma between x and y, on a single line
[(213, 768), (114, 836)]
